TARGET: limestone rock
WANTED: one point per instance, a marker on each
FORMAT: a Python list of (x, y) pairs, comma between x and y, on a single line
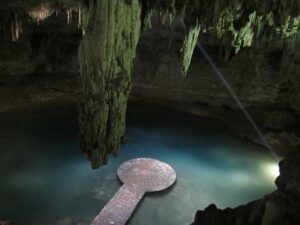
[(5, 222), (283, 142), (106, 54), (2, 222), (289, 179), (279, 119)]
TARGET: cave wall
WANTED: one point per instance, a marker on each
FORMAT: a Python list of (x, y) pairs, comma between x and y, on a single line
[(51, 47), (268, 85), (42, 63)]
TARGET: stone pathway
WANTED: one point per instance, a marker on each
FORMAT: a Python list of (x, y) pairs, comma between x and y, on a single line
[(139, 176)]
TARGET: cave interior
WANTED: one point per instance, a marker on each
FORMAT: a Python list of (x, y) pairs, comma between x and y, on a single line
[(212, 87)]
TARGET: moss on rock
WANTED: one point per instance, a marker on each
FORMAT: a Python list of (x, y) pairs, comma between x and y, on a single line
[(188, 47), (106, 54)]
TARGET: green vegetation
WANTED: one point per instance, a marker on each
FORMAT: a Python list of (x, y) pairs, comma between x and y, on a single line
[(106, 54), (188, 47)]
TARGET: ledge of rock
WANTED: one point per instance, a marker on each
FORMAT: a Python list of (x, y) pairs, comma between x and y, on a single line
[(5, 222)]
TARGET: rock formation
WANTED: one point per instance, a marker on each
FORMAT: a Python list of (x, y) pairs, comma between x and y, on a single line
[(106, 54)]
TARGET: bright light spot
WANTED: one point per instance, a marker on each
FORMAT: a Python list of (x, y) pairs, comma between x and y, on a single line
[(271, 169)]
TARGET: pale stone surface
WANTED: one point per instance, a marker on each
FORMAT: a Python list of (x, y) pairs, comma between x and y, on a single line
[(139, 176)]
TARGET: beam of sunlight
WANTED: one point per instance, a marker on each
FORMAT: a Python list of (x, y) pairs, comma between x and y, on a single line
[(236, 99)]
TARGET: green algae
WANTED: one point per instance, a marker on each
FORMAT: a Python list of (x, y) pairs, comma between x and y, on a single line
[(188, 47), (106, 54)]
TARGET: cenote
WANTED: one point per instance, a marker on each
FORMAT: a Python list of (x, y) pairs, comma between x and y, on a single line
[(45, 179)]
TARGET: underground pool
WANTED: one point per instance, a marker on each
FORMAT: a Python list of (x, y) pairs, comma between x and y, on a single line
[(45, 179)]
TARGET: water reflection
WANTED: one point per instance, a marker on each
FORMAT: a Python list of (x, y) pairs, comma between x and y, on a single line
[(46, 180)]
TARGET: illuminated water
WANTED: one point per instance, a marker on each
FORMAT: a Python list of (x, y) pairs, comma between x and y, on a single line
[(46, 180)]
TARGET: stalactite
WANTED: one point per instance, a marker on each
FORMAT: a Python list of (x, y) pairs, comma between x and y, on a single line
[(188, 47), (291, 56), (16, 28), (106, 54), (69, 16), (238, 23), (167, 17), (79, 25), (41, 12), (290, 30), (148, 20)]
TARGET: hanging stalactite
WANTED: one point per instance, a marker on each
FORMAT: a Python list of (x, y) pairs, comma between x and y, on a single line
[(69, 16), (238, 24), (79, 17), (41, 12), (188, 47), (16, 28), (106, 54)]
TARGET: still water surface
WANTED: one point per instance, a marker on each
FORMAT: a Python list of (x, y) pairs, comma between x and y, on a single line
[(46, 180)]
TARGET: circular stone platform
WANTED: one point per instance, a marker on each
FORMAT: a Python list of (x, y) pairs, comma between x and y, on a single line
[(139, 176), (148, 175)]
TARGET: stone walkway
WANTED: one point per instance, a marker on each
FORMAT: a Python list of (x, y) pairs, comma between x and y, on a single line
[(139, 176)]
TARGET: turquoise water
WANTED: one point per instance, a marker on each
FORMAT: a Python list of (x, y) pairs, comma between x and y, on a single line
[(46, 180)]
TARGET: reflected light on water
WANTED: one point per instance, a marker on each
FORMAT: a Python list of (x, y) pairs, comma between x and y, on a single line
[(271, 170), (46, 180)]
